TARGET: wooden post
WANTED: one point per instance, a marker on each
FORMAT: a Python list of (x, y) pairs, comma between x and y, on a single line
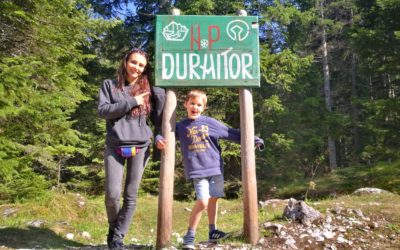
[(166, 188), (248, 160), (249, 181)]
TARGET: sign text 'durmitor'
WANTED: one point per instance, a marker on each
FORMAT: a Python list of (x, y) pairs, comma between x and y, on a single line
[(207, 51)]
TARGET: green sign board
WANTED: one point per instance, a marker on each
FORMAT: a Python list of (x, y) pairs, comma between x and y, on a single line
[(207, 51)]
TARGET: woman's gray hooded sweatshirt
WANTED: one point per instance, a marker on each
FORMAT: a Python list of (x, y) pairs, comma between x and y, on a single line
[(123, 129)]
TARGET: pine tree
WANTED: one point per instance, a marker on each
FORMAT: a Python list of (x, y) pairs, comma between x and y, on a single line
[(41, 87)]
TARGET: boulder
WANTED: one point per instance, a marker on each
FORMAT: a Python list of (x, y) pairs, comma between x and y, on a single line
[(300, 211), (362, 191)]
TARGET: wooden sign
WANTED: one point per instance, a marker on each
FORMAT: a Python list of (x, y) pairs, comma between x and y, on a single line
[(207, 51)]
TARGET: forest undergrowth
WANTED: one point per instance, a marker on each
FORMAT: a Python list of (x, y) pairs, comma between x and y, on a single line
[(63, 220)]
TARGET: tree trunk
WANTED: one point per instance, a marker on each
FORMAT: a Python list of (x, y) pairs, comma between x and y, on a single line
[(354, 106), (327, 92), (58, 174)]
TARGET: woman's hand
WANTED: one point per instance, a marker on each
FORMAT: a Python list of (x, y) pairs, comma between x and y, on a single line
[(140, 98)]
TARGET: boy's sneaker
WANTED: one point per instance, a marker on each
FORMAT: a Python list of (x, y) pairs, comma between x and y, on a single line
[(217, 235), (188, 242)]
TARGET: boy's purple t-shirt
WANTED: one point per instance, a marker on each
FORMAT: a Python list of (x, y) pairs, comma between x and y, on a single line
[(199, 145)]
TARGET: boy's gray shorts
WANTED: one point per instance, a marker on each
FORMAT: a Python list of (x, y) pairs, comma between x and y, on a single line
[(207, 187)]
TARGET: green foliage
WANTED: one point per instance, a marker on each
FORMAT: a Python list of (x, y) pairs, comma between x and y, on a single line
[(209, 7), (381, 123), (342, 181), (282, 69), (41, 87), (55, 54), (18, 182)]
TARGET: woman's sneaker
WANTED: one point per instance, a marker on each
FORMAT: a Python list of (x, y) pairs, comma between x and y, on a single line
[(110, 236), (117, 242), (216, 235), (188, 242)]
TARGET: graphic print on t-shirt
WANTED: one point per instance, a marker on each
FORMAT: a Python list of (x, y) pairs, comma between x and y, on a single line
[(198, 136)]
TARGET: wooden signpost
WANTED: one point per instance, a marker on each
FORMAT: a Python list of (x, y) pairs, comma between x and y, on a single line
[(207, 51)]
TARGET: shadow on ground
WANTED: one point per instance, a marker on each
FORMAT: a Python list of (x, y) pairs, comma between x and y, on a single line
[(33, 238), (42, 238)]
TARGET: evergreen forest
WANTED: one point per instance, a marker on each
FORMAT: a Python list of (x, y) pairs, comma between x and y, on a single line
[(329, 97)]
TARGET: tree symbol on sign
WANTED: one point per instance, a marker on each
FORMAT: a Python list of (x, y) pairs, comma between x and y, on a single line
[(238, 30)]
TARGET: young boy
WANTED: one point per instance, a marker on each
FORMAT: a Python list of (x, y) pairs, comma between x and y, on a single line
[(203, 163)]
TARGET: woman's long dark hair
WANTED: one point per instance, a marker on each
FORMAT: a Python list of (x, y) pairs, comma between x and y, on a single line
[(141, 86)]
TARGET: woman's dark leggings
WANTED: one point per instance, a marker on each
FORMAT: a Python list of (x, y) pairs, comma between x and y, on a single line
[(119, 218)]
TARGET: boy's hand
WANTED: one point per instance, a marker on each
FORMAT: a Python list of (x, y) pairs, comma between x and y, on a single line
[(160, 144), (260, 146)]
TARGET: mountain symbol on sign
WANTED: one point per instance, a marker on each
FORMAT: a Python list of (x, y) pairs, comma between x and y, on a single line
[(175, 32)]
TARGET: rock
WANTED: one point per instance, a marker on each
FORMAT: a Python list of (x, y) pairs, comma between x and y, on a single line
[(317, 235), (341, 240), (362, 191), (271, 202), (35, 223), (328, 219), (86, 235), (300, 211), (374, 203), (373, 225), (290, 241), (337, 210), (70, 236), (273, 226), (328, 234), (9, 211), (350, 211), (64, 223), (303, 236), (358, 212), (81, 204), (330, 247)]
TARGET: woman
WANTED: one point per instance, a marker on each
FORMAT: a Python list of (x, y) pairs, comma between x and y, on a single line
[(126, 103)]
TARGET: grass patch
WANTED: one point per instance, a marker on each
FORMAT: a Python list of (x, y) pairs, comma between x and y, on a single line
[(342, 181), (385, 205), (46, 221), (59, 214)]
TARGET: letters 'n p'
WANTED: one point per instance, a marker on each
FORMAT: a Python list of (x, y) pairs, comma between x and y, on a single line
[(210, 38)]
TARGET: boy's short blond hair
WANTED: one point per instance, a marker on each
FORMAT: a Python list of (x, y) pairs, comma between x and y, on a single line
[(197, 93)]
